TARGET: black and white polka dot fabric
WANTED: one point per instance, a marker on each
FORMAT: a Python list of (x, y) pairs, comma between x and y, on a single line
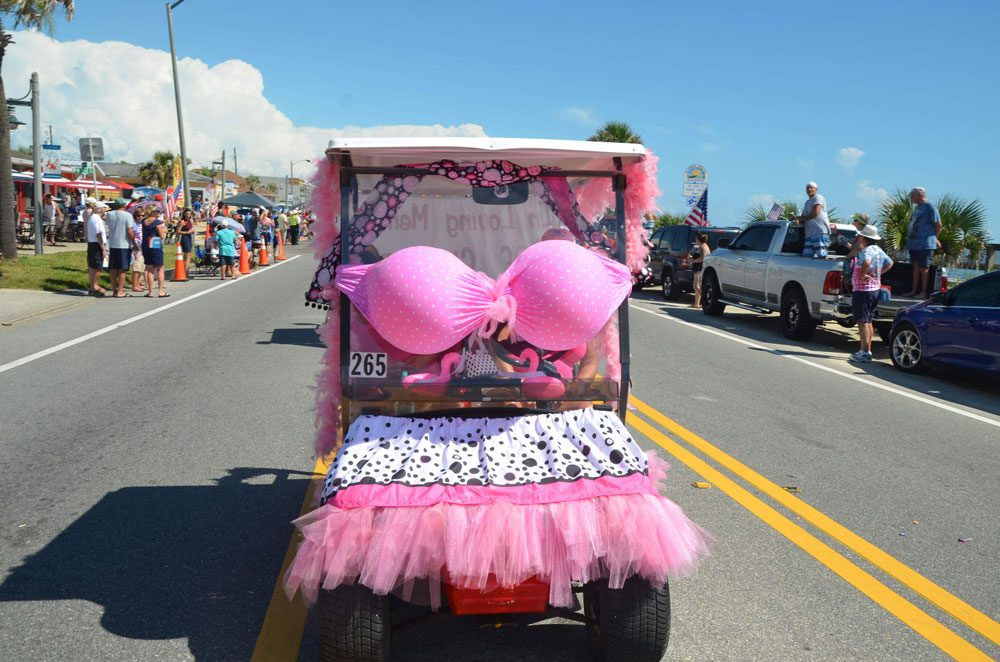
[(530, 449)]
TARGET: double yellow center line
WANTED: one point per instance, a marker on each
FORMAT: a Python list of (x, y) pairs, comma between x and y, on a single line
[(922, 623)]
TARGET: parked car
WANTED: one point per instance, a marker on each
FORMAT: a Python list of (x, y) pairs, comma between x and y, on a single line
[(958, 328), (670, 255), (763, 270)]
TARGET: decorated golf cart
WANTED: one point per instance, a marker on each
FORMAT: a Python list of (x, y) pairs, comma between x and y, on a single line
[(475, 387)]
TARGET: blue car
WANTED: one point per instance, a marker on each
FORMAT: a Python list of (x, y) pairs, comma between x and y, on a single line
[(959, 328)]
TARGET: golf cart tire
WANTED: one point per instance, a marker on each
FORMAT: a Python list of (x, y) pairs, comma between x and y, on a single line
[(353, 625), (632, 622), (710, 293), (796, 322)]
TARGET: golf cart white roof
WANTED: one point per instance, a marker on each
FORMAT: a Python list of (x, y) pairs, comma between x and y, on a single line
[(565, 154)]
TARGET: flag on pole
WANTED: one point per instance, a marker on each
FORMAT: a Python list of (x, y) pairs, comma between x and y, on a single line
[(776, 212), (699, 213), (171, 200)]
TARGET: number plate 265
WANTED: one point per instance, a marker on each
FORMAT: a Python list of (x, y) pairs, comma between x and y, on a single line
[(369, 364)]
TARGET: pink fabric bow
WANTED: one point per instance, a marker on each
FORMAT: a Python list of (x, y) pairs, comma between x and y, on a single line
[(556, 295)]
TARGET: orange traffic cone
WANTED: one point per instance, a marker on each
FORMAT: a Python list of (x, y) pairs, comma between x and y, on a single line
[(281, 250), (180, 273), (262, 260), (244, 257)]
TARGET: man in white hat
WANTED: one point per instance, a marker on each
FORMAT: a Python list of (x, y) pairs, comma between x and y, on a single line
[(866, 283), (225, 237), (135, 199), (817, 224), (97, 244)]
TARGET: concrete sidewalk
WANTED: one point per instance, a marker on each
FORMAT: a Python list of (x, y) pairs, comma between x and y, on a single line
[(49, 249), (19, 305)]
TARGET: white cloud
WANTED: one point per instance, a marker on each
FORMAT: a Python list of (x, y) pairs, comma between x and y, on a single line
[(762, 199), (124, 94), (715, 146), (869, 195), (584, 116), (848, 157)]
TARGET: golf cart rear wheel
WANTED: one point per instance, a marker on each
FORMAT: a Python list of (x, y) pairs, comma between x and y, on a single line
[(353, 625), (629, 624)]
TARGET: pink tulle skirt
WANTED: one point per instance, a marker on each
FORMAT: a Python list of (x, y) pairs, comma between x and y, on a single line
[(577, 540)]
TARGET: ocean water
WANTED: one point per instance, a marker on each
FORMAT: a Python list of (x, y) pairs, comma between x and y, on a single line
[(956, 276)]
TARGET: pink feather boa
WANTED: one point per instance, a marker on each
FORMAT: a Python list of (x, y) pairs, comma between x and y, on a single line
[(325, 204), (596, 196), (640, 197)]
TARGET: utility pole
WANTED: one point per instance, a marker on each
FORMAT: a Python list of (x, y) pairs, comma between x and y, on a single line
[(36, 163), (222, 193), (236, 164), (177, 98)]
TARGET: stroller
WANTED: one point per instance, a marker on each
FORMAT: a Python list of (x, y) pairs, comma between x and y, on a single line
[(206, 261)]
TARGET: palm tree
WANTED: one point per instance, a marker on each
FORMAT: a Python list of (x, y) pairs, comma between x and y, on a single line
[(272, 188), (615, 132), (29, 14), (251, 182), (159, 171), (963, 224), (666, 218), (758, 213)]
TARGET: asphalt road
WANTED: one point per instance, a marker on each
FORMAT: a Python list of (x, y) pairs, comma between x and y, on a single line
[(150, 473)]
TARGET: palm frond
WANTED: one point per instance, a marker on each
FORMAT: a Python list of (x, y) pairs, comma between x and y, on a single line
[(615, 132)]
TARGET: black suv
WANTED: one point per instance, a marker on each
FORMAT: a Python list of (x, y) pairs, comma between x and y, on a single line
[(670, 255)]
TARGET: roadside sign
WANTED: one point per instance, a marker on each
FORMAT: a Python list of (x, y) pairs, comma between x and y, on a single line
[(91, 149), (51, 161), (695, 182)]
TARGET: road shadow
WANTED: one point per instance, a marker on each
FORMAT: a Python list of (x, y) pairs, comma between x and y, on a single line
[(72, 293), (304, 337), (833, 342), (471, 640), (191, 561)]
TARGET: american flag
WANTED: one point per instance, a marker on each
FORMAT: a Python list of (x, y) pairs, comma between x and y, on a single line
[(170, 202), (776, 212), (699, 213)]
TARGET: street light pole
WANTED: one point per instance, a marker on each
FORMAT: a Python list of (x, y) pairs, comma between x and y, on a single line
[(36, 148), (177, 98)]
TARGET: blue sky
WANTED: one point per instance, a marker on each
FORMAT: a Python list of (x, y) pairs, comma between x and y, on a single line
[(859, 96)]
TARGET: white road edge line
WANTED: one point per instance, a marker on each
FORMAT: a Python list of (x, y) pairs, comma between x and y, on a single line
[(100, 332), (778, 352)]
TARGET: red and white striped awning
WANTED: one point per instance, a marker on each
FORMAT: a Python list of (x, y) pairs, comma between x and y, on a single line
[(81, 184)]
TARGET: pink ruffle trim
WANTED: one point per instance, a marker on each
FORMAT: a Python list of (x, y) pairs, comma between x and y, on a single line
[(388, 548)]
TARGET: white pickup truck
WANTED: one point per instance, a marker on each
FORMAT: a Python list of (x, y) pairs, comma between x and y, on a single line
[(763, 269)]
